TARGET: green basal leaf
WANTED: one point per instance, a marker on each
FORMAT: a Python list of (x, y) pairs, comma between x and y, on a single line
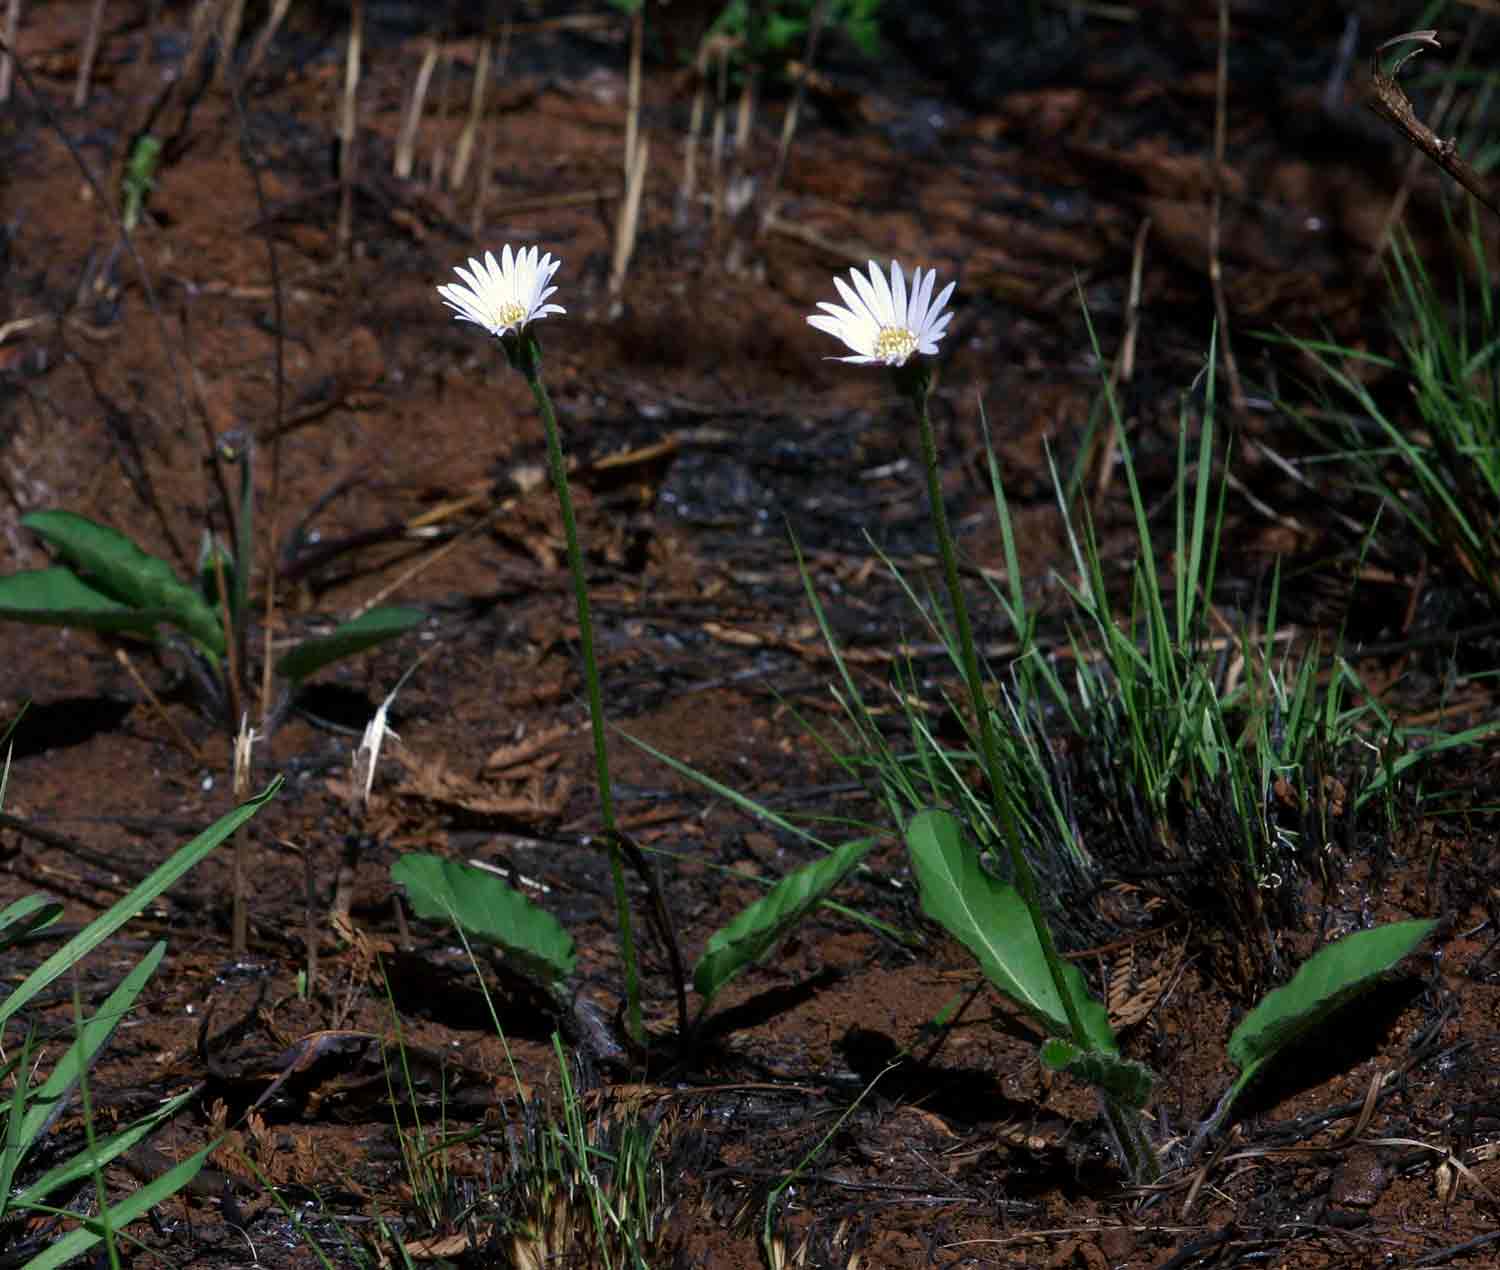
[(485, 908), (1123, 1079), (1331, 977), (758, 928), (59, 597), (112, 563), (990, 919), (365, 631)]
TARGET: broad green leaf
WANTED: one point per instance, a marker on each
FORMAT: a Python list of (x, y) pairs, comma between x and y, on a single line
[(488, 910), (116, 566), (128, 906), (46, 1102), (758, 928), (1331, 977), (26, 915), (59, 597), (133, 1207), (365, 631), (990, 919), (1123, 1079)]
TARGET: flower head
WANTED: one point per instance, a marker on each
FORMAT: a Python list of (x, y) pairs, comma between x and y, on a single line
[(503, 297), (882, 322)]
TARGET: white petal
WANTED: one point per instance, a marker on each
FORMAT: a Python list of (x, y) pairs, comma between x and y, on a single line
[(943, 296), (921, 292), (898, 292), (868, 294), (858, 307), (878, 293)]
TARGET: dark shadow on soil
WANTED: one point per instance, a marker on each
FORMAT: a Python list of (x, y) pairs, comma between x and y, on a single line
[(62, 724), (1345, 1042)]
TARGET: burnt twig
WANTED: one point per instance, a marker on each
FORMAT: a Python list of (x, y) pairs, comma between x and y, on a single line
[(1387, 100)]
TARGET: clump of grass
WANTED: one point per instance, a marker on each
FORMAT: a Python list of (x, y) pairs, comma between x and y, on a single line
[(1434, 463), (32, 1178), (1157, 734), (582, 1190)]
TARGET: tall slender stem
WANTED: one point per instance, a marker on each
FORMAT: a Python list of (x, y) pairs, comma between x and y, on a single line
[(527, 357), (915, 380), (1131, 1140)]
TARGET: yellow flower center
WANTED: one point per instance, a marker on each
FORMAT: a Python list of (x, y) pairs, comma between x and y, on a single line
[(511, 314), (894, 344)]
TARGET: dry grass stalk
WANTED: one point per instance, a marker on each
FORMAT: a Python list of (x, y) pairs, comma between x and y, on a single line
[(633, 87), (309, 917), (178, 735), (1215, 229), (348, 121), (628, 226), (463, 152), (230, 22), (738, 190), (491, 139), (789, 124), (1123, 370), (486, 175), (200, 38), (12, 28), (361, 781), (716, 145), (443, 91), (411, 119), (244, 745), (87, 57), (688, 187), (262, 43)]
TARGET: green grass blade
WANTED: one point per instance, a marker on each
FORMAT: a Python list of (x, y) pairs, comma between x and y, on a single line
[(128, 906), (131, 1208), (48, 1099), (745, 804), (488, 910), (11, 1146), (100, 1154), (758, 928), (989, 918), (364, 632), (26, 916)]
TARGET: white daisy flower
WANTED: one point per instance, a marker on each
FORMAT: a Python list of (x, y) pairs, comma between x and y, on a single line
[(503, 297), (882, 323)]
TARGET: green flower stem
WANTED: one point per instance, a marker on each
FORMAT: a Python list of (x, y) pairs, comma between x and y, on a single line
[(915, 381), (525, 354), (1131, 1139)]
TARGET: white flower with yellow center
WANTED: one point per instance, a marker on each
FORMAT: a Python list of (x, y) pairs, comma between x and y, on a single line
[(881, 321), (503, 296)]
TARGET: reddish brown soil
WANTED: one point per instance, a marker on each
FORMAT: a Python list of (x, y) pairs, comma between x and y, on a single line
[(396, 418)]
